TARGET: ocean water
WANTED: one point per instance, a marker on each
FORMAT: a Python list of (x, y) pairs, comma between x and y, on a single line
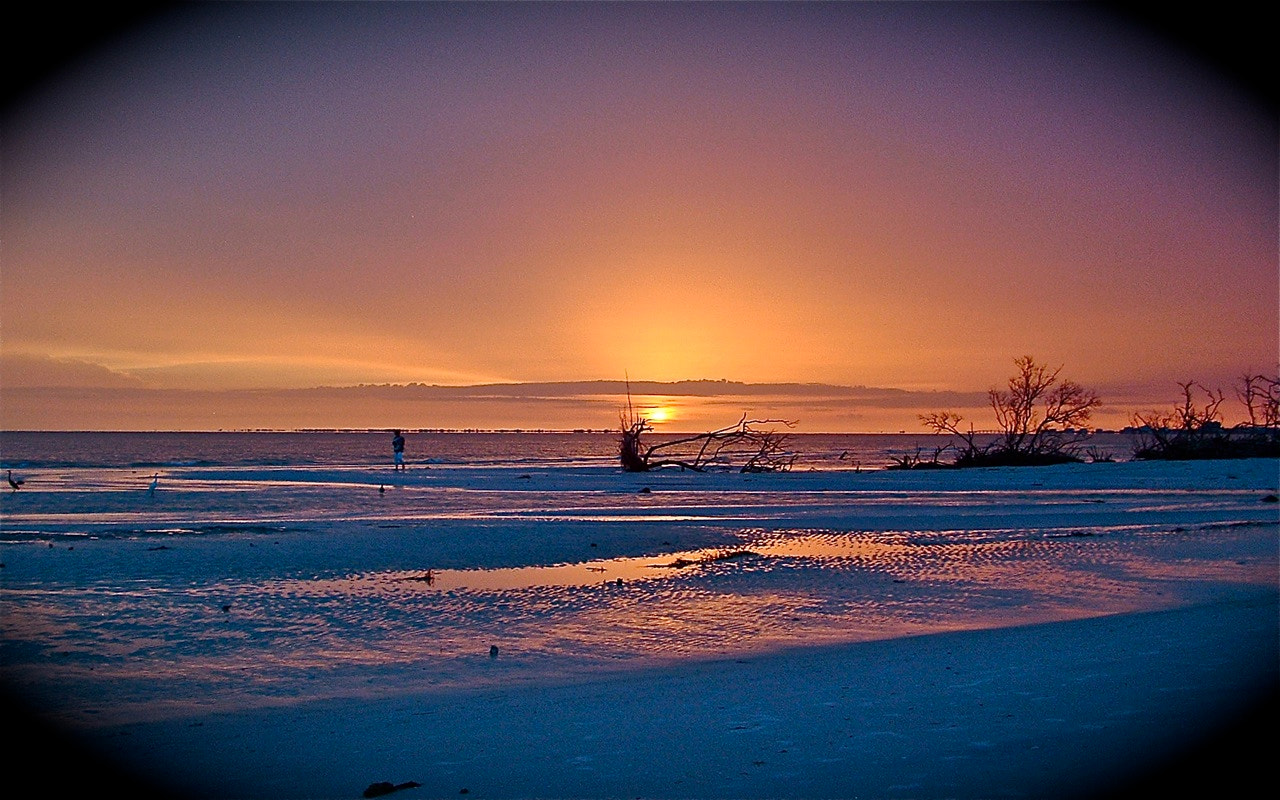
[(105, 485), (40, 450)]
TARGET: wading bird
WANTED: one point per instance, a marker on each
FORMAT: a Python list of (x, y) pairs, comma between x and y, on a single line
[(15, 483)]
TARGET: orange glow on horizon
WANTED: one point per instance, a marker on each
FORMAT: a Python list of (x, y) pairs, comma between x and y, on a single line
[(757, 193)]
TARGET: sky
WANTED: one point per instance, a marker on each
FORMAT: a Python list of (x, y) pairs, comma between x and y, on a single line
[(209, 211)]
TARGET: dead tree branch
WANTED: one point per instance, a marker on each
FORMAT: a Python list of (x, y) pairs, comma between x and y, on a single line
[(743, 447)]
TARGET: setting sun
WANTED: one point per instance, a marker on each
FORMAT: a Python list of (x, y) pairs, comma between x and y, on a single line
[(660, 414)]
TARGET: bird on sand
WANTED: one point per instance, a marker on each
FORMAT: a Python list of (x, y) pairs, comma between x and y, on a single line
[(15, 483)]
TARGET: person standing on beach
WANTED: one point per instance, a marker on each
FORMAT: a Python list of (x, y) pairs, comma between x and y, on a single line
[(397, 450)]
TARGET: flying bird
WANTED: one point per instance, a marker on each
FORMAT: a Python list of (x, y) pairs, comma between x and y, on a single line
[(15, 483)]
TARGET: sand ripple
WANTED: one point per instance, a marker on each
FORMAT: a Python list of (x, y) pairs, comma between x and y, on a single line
[(268, 641)]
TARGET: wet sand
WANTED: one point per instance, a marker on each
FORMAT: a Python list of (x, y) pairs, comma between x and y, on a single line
[(1032, 633)]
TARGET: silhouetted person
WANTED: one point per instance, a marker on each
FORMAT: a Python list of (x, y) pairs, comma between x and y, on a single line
[(397, 450)]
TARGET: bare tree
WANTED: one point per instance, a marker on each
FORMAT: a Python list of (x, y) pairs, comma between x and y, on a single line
[(743, 447), (1261, 397), (949, 422), (1034, 414), (1194, 429), (1187, 417)]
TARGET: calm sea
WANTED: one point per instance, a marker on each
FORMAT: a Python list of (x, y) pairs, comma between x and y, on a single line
[(30, 450)]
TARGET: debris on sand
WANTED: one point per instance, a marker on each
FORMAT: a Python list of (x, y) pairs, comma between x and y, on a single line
[(387, 787)]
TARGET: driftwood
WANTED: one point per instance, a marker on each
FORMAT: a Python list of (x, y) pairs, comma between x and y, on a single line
[(681, 562), (743, 447), (387, 787)]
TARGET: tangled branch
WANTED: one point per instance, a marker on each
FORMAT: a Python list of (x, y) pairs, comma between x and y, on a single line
[(742, 447)]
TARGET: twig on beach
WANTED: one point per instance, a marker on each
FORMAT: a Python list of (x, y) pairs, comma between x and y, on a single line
[(387, 787), (680, 562)]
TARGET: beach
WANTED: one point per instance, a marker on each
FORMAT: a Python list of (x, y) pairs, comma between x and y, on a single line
[(560, 628), (1093, 708), (662, 400)]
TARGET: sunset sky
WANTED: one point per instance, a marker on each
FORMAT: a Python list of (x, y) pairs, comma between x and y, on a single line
[(227, 200)]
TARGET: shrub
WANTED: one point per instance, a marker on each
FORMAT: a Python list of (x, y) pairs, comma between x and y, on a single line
[(1038, 416), (1194, 430)]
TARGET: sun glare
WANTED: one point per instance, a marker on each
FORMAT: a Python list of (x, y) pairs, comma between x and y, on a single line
[(660, 414)]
